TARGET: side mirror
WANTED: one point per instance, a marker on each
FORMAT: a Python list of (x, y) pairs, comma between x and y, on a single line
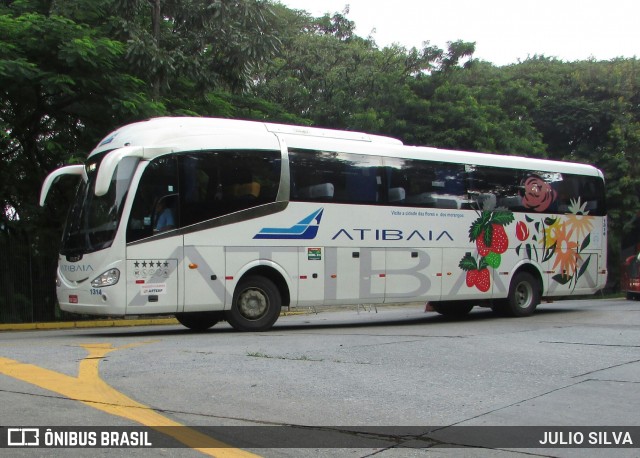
[(68, 170), (109, 164)]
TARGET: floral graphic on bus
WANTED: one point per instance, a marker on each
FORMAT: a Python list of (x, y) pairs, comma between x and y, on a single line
[(560, 239), (522, 231), (489, 234), (538, 194), (578, 219)]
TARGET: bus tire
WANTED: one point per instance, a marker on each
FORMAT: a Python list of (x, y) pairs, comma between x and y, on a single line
[(256, 305), (452, 308), (199, 321), (524, 295)]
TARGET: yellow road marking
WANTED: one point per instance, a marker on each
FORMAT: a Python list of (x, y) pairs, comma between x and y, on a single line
[(91, 390)]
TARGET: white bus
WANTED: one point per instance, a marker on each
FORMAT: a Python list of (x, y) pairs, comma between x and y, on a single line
[(217, 219)]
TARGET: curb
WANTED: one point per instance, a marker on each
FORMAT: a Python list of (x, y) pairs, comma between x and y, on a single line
[(87, 324), (104, 323)]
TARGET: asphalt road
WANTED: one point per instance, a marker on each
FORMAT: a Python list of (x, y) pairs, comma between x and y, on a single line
[(390, 382)]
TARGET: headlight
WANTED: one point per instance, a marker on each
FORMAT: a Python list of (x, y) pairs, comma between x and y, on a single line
[(110, 277)]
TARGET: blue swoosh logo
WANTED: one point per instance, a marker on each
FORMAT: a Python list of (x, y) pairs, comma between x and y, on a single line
[(305, 229)]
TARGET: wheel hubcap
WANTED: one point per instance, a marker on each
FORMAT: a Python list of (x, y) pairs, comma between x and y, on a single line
[(524, 294), (253, 303)]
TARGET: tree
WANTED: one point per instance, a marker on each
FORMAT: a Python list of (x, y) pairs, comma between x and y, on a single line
[(196, 45), (336, 79), (471, 105), (61, 83)]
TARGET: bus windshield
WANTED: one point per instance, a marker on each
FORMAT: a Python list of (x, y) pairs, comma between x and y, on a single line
[(93, 220)]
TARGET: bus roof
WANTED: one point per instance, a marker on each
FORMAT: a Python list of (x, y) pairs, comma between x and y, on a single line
[(165, 130), (176, 131)]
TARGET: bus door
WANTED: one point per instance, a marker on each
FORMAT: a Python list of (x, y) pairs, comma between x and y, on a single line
[(204, 277), (154, 247), (153, 276)]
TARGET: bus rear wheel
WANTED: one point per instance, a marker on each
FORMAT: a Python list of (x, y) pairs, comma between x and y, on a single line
[(256, 305), (199, 321), (524, 295)]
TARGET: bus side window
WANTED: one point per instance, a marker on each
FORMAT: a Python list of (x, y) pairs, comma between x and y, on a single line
[(562, 193), (159, 180), (239, 187), (427, 184), (198, 175), (591, 193), (317, 191), (493, 187), (216, 183), (248, 179), (164, 217), (397, 194), (325, 176)]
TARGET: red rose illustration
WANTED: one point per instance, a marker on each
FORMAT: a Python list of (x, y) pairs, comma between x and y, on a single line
[(522, 231), (538, 194)]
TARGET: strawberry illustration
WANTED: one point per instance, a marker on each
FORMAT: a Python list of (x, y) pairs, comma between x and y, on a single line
[(491, 240), (483, 280), (472, 276), (499, 241), (488, 232), (477, 273), (483, 249)]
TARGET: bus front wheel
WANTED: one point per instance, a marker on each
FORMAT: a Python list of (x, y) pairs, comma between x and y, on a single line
[(524, 295), (199, 321), (256, 305)]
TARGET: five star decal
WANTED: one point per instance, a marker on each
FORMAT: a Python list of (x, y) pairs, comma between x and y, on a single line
[(150, 268), (151, 263)]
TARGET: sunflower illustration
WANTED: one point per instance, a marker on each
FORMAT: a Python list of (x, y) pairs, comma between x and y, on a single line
[(578, 219), (566, 254), (551, 234)]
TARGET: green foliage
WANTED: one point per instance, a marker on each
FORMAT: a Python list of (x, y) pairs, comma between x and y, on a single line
[(61, 83), (477, 108), (215, 44), (336, 79)]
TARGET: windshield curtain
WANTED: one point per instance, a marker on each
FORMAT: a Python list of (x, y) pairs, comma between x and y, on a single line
[(93, 220)]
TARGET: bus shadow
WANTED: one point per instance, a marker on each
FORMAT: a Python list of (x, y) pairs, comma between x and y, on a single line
[(313, 323), (477, 315)]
